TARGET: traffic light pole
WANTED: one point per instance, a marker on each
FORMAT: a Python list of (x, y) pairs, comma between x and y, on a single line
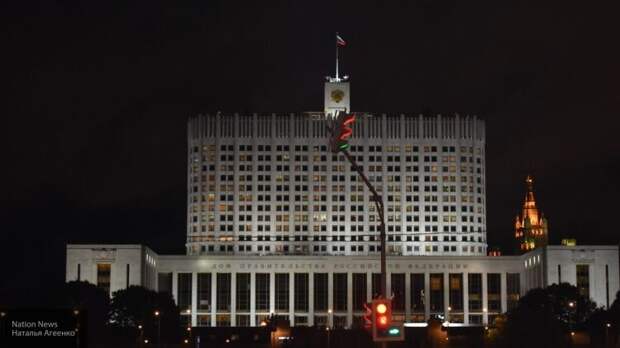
[(379, 204)]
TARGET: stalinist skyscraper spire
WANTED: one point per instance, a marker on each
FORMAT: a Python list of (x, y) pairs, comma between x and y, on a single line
[(531, 230)]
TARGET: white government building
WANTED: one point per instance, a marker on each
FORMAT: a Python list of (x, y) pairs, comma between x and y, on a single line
[(276, 223)]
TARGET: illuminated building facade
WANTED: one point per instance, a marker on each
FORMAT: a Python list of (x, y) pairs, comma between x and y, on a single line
[(269, 185), (277, 224), (531, 227)]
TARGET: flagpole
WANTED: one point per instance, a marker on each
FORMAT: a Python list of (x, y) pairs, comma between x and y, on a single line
[(337, 78)]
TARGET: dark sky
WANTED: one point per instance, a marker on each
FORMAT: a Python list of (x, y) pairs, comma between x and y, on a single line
[(98, 94)]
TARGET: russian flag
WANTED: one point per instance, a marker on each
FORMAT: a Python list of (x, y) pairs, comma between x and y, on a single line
[(340, 41)]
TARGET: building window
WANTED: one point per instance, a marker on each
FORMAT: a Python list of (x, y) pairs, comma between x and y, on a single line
[(203, 320), (301, 292), (262, 291), (513, 285), (398, 291), (583, 280), (456, 292), (204, 291), (417, 292), (223, 295), (474, 281), (376, 285), (494, 289), (184, 294), (222, 320), (359, 291), (103, 276), (164, 282), (340, 291), (436, 285), (320, 292), (243, 320), (282, 292), (243, 293)]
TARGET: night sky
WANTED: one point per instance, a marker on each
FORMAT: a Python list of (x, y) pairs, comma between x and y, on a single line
[(98, 94)]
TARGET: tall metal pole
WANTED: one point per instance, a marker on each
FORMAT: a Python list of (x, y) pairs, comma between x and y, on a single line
[(379, 204)]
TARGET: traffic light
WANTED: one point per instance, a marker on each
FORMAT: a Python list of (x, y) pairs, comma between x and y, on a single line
[(341, 132), (381, 314), (383, 328), (367, 316)]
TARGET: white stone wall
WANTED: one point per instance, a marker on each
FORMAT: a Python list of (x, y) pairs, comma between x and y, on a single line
[(603, 288), (118, 256)]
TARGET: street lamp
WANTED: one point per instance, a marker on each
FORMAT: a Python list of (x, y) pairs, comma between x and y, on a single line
[(141, 335), (607, 326), (76, 312), (158, 316)]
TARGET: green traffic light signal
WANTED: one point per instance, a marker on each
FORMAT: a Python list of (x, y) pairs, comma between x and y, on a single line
[(394, 331)]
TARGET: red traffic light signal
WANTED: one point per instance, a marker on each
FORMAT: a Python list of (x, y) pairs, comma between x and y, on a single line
[(383, 328), (342, 131), (382, 314)]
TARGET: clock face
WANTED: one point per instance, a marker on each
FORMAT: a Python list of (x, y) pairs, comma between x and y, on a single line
[(337, 95)]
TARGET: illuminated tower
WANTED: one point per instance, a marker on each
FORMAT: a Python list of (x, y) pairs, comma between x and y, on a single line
[(531, 230)]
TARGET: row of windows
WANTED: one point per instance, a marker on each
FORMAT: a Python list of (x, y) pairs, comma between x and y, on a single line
[(341, 238), (323, 148), (334, 208), (323, 158), (337, 248), (335, 228)]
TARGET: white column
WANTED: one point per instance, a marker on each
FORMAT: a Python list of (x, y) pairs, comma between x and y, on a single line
[(194, 298), (503, 292), (465, 298), (272, 292), (427, 296), (485, 300), (233, 299), (213, 297), (330, 299), (310, 298), (407, 297), (349, 299), (291, 298), (175, 287), (253, 299), (446, 296)]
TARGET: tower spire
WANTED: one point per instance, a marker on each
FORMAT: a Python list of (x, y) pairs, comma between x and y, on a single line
[(531, 227)]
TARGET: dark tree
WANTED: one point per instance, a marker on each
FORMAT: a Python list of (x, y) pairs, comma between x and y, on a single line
[(91, 302), (137, 305), (545, 317)]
